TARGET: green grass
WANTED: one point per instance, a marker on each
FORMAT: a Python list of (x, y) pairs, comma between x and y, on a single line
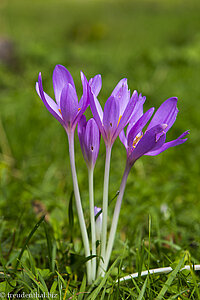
[(155, 45)]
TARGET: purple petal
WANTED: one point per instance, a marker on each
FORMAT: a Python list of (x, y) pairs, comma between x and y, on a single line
[(95, 83), (84, 102), (138, 126), (166, 114), (165, 146), (91, 141), (96, 111), (123, 138), (123, 96), (96, 210), (138, 110), (118, 86), (69, 104), (61, 77), (81, 132), (48, 102), (147, 143), (111, 116), (126, 116)]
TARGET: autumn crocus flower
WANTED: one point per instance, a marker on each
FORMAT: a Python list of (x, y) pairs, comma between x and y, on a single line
[(137, 144), (89, 137), (152, 142), (117, 111), (68, 111)]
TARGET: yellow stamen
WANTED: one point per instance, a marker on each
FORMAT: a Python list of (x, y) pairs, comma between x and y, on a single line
[(79, 109), (60, 111), (136, 140), (119, 120)]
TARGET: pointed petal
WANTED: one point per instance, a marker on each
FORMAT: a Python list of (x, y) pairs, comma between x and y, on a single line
[(96, 111), (138, 126), (81, 132), (123, 138), (147, 142), (69, 104), (111, 116), (138, 110), (48, 102), (84, 102), (122, 93), (95, 83), (118, 86), (92, 141), (61, 77), (166, 114), (173, 143), (126, 116)]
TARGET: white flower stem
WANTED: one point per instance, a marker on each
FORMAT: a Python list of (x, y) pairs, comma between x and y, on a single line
[(156, 271), (116, 216), (79, 205), (105, 210), (92, 220)]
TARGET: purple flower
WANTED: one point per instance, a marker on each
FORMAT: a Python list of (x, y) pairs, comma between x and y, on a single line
[(152, 142), (89, 138), (67, 110), (117, 111)]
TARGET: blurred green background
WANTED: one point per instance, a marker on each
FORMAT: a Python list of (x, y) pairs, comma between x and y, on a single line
[(156, 45)]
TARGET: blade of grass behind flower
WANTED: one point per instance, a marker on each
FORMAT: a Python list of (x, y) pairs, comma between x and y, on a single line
[(37, 225), (170, 279)]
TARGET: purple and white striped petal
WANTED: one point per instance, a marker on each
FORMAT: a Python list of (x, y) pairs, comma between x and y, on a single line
[(61, 76)]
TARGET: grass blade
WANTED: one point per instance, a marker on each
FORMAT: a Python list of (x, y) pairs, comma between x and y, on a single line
[(143, 290), (170, 279), (37, 225)]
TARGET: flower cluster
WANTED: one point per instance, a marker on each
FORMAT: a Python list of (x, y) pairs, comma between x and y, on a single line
[(122, 110)]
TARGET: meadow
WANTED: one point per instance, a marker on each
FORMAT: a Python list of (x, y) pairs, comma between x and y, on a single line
[(156, 46)]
